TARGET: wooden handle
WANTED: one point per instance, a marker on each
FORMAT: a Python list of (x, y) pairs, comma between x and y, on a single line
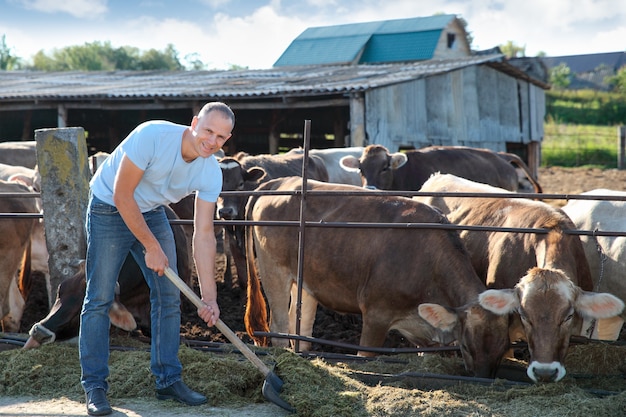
[(222, 327)]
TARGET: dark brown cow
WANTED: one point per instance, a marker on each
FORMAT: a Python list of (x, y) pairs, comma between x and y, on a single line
[(408, 171), (501, 259), (382, 274), (245, 172), (131, 309)]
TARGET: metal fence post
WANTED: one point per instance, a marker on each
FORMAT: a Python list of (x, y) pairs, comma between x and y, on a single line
[(621, 146)]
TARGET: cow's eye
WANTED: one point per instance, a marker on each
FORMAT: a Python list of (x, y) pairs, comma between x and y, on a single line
[(240, 186), (523, 317), (568, 318)]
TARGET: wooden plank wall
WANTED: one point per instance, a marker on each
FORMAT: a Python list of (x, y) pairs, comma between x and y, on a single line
[(477, 106)]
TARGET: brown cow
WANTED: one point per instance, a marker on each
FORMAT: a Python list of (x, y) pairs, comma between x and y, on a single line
[(15, 246), (408, 171), (22, 153), (547, 301), (245, 172), (382, 274), (501, 259)]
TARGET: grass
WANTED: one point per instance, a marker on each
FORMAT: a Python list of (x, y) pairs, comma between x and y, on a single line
[(571, 145)]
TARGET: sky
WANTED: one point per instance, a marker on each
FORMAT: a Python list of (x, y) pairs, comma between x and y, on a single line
[(253, 34)]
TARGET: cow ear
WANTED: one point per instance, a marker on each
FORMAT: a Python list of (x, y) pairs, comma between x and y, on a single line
[(254, 174), (438, 316), (598, 305), (350, 163), (22, 179), (121, 317), (498, 301), (398, 159)]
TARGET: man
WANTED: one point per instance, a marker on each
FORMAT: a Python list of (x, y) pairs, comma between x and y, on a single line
[(158, 163)]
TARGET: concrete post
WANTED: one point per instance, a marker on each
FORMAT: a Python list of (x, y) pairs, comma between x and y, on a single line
[(63, 165)]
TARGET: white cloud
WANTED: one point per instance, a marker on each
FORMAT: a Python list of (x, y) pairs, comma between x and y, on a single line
[(76, 8), (256, 40), (255, 36)]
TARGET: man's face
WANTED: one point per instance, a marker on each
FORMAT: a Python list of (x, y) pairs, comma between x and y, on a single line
[(211, 131)]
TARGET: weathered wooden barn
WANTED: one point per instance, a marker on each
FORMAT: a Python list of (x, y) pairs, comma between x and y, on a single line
[(465, 99)]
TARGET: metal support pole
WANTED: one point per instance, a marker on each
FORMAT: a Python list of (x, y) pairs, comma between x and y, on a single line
[(305, 160), (621, 147)]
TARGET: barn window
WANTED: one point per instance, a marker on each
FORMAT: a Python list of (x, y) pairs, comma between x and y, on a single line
[(451, 39)]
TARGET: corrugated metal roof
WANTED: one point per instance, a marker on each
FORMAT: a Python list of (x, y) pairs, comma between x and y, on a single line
[(16, 86), (401, 47), (343, 43), (342, 50)]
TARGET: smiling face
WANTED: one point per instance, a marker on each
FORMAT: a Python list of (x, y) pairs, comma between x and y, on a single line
[(209, 132)]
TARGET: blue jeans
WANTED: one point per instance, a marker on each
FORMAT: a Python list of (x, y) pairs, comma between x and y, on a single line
[(108, 243)]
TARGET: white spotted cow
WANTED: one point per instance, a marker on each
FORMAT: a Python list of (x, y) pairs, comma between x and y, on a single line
[(501, 259), (606, 254)]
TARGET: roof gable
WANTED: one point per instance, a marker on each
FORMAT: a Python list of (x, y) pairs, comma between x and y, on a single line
[(370, 42)]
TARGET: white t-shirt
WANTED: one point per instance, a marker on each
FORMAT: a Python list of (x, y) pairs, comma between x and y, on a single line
[(155, 147)]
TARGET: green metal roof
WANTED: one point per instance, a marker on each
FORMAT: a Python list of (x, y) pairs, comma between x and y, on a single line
[(396, 40)]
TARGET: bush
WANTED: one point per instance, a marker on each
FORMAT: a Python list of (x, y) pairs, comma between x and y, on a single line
[(586, 107)]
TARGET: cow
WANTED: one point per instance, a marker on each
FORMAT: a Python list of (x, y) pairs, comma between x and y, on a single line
[(546, 301), (22, 153), (29, 176), (408, 171), (502, 258), (130, 310), (382, 274), (332, 160), (606, 254), (244, 172), (15, 247)]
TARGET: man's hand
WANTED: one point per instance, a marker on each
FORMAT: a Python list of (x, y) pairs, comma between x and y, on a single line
[(156, 260), (210, 312)]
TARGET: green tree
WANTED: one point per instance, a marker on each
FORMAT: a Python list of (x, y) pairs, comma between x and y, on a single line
[(560, 76), (193, 62), (156, 60), (618, 81), (98, 56), (512, 50), (8, 61)]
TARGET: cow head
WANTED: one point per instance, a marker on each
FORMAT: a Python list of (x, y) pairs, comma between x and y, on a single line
[(482, 335), (62, 322), (376, 166), (235, 178), (550, 307)]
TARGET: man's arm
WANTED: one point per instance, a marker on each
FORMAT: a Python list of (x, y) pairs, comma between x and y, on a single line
[(126, 181), (204, 250)]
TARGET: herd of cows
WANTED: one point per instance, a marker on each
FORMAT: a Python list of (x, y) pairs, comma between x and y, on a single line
[(478, 288)]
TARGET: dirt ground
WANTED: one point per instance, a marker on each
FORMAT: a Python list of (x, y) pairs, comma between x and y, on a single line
[(329, 325)]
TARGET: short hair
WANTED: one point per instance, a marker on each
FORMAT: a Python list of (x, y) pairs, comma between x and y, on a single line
[(217, 106)]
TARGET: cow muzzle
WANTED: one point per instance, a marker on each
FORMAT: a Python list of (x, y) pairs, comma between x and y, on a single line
[(545, 372), (40, 334), (226, 213)]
